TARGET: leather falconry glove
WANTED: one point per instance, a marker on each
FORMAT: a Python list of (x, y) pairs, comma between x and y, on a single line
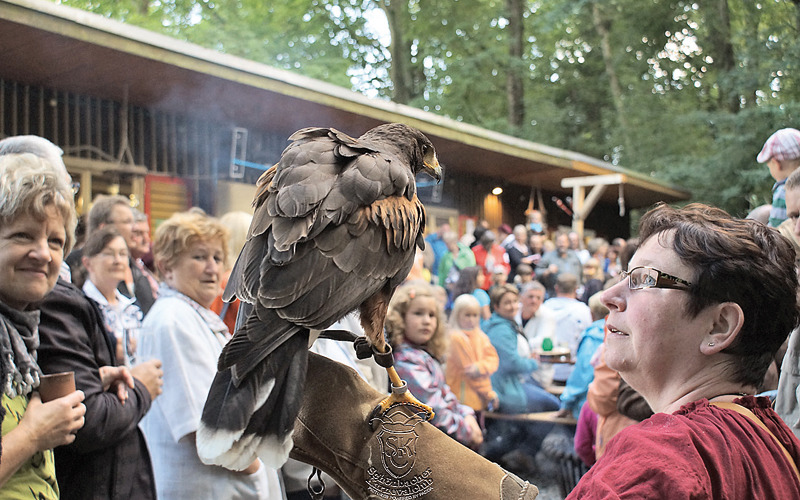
[(393, 457)]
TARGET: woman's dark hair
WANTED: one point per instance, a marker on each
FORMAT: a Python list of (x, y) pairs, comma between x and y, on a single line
[(467, 280), (734, 260), (99, 239)]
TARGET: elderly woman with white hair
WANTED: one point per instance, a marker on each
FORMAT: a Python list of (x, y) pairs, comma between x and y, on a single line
[(47, 151), (37, 221)]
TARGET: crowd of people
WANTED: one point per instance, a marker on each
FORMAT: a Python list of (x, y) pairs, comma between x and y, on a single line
[(677, 329)]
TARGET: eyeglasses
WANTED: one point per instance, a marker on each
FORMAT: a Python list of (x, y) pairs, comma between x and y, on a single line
[(648, 277)]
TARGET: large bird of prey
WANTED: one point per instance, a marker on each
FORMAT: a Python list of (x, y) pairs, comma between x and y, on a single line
[(336, 226)]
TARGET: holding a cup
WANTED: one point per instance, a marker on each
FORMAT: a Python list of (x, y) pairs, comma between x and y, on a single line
[(56, 385), (37, 219)]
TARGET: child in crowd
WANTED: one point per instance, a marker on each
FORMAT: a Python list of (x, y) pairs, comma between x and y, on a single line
[(416, 330), (499, 277), (440, 293), (472, 359), (524, 275)]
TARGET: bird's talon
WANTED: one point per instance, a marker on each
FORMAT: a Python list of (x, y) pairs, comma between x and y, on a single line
[(401, 396)]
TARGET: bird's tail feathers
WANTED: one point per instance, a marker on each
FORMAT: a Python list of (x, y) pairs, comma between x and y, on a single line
[(256, 417), (244, 354)]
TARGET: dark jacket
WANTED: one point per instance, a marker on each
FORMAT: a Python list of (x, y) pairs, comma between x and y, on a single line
[(109, 457), (142, 289)]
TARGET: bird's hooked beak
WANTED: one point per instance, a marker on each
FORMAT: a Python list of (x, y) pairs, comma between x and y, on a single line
[(431, 166)]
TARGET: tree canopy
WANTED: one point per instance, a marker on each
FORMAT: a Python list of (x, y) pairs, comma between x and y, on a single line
[(683, 91)]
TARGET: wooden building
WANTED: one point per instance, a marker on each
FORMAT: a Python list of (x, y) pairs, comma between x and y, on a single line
[(171, 125)]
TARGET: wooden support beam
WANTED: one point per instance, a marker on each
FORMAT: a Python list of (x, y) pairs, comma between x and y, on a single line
[(594, 180), (582, 204)]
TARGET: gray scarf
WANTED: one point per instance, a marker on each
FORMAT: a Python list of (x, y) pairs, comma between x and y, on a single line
[(19, 339)]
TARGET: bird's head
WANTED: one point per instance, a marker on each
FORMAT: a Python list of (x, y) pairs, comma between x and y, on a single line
[(425, 159), (412, 143), (430, 162)]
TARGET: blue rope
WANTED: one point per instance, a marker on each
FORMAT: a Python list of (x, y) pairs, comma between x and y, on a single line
[(250, 164)]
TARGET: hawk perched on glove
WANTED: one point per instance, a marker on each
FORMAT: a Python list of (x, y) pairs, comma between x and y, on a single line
[(336, 226)]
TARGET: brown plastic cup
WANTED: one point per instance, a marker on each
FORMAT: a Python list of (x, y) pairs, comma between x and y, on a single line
[(56, 385)]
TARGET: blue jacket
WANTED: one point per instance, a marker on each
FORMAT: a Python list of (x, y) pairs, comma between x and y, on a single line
[(507, 380), (574, 394)]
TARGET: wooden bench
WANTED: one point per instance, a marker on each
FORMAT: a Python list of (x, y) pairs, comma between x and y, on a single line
[(542, 416)]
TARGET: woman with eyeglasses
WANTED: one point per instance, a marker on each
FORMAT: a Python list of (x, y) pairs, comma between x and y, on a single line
[(105, 258), (693, 325)]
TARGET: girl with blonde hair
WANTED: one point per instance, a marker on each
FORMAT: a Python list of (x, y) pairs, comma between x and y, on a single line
[(416, 330), (472, 359)]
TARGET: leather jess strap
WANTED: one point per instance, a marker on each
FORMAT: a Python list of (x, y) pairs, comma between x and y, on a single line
[(749, 414)]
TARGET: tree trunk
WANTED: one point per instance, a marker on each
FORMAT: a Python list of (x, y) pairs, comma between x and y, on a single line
[(797, 14), (514, 78), (400, 51), (601, 25), (725, 60)]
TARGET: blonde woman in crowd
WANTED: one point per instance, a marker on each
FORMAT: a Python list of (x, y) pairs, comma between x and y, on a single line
[(238, 223)]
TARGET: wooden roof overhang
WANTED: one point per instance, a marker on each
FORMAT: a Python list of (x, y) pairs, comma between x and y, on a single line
[(63, 48)]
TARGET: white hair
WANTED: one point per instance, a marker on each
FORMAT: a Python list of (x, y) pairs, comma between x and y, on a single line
[(38, 146)]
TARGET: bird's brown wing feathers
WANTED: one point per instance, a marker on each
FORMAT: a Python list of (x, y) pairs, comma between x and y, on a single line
[(335, 223)]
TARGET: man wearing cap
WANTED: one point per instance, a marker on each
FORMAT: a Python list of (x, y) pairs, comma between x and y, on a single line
[(781, 153)]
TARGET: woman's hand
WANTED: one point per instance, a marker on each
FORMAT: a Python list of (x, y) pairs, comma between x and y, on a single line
[(43, 427), (150, 374), (54, 423), (118, 379)]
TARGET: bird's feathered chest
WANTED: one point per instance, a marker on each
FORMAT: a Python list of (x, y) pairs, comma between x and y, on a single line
[(322, 184), (334, 219)]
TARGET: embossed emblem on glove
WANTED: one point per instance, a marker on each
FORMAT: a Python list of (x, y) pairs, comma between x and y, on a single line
[(397, 439)]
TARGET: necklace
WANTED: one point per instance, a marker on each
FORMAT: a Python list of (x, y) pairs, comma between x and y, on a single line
[(739, 394)]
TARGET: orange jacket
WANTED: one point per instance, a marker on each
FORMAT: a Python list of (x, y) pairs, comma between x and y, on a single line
[(471, 348)]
